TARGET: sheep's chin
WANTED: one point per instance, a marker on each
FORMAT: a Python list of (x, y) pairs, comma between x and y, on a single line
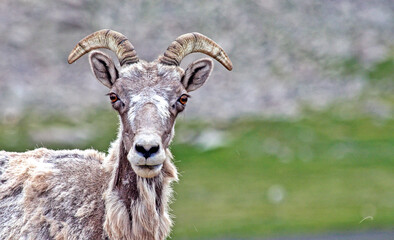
[(145, 171)]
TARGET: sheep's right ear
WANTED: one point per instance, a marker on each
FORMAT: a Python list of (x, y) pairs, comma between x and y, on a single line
[(196, 74), (103, 68)]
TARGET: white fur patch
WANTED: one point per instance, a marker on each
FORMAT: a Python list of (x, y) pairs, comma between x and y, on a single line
[(168, 71), (148, 96), (162, 105), (126, 70), (134, 104)]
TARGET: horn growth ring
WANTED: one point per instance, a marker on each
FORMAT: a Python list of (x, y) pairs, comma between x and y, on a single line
[(109, 39), (194, 42)]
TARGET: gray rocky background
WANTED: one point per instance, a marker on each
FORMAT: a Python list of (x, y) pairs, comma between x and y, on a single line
[(287, 55)]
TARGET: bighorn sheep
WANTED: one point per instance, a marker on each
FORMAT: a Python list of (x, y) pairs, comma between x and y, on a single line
[(75, 194)]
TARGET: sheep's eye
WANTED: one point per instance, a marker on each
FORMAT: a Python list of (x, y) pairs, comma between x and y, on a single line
[(113, 97), (183, 99)]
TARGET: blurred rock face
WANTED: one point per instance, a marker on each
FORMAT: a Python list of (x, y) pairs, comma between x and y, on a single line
[(285, 53)]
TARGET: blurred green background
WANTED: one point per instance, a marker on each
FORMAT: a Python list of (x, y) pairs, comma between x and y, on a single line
[(298, 139), (253, 178)]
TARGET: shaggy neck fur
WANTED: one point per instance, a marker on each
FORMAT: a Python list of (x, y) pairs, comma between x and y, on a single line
[(137, 208)]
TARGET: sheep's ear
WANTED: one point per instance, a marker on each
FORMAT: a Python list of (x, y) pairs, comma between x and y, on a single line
[(103, 68), (196, 74)]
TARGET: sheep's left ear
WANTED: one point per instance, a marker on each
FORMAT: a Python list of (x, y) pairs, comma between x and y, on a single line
[(103, 68), (196, 74)]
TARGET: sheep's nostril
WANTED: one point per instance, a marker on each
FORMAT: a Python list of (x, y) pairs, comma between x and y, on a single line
[(153, 149), (146, 153), (140, 149)]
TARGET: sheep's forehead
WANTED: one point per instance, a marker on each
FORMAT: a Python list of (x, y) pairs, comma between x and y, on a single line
[(150, 82), (155, 84), (151, 72)]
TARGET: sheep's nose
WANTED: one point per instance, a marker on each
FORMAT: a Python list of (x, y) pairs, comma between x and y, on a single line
[(146, 151)]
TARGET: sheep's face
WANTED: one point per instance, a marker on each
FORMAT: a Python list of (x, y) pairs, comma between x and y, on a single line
[(148, 98)]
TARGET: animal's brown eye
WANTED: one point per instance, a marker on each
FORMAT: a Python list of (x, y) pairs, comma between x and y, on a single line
[(113, 97), (183, 99)]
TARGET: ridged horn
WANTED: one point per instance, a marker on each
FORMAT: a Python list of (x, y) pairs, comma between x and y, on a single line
[(194, 42), (109, 39)]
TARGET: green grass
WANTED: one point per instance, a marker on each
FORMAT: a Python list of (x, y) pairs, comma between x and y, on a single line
[(381, 70), (333, 174), (317, 174)]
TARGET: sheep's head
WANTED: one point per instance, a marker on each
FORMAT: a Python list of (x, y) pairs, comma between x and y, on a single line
[(149, 95)]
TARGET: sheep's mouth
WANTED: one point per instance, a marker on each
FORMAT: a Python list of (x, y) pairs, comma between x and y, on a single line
[(150, 167), (147, 171)]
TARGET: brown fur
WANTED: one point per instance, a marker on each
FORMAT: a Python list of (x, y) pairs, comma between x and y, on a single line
[(47, 194), (69, 194), (74, 194)]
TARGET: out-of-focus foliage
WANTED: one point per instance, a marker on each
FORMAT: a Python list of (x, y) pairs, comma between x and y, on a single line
[(311, 175), (253, 178)]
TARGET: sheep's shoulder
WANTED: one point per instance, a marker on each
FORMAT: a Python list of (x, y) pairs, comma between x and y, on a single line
[(52, 194)]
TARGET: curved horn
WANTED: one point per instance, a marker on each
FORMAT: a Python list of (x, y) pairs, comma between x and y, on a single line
[(194, 42), (109, 39)]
